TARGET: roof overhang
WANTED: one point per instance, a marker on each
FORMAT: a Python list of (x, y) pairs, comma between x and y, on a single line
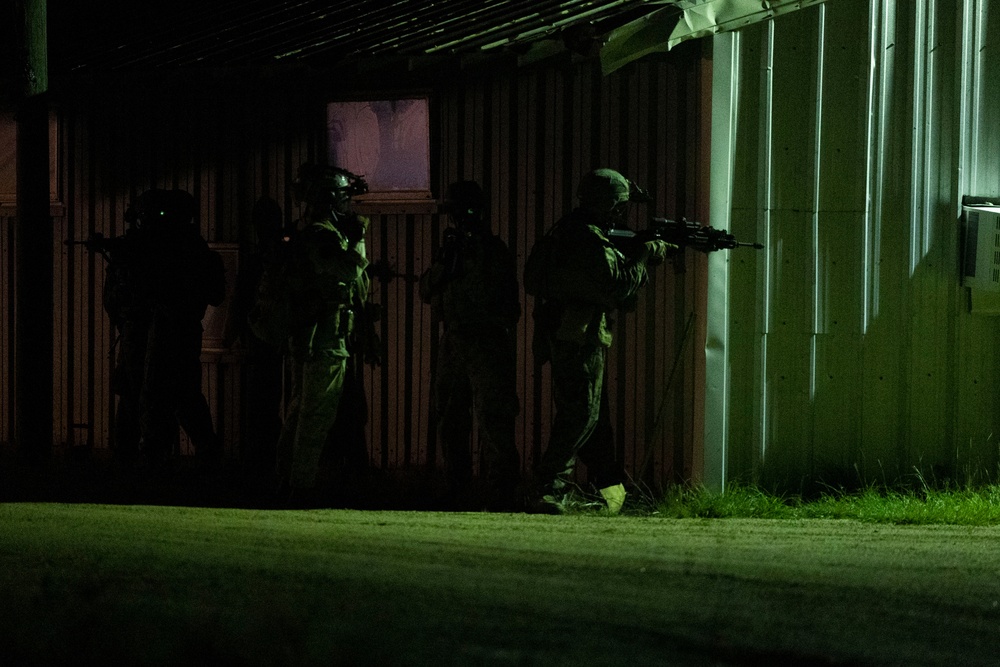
[(681, 20)]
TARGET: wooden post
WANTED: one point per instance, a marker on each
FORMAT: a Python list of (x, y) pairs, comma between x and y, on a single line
[(33, 239)]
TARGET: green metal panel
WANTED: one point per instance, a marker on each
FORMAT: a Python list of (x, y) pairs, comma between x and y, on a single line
[(794, 94), (746, 163), (844, 114), (852, 354), (837, 408)]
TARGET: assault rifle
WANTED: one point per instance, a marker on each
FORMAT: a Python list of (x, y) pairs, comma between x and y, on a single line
[(682, 233), (99, 243)]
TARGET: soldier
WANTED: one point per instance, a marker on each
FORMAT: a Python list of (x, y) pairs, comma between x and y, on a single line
[(126, 306), (578, 280), (329, 259), (472, 288), (262, 369), (180, 277)]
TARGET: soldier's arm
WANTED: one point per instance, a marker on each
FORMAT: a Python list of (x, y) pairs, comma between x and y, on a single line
[(331, 253), (605, 274)]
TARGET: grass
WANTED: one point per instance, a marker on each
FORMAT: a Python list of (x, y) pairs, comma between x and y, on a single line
[(917, 500), (965, 507), (161, 586)]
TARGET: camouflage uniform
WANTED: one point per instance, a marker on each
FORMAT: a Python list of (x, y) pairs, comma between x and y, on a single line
[(472, 288), (587, 279), (330, 255)]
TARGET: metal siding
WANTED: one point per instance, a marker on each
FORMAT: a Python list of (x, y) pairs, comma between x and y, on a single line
[(873, 370), (745, 269)]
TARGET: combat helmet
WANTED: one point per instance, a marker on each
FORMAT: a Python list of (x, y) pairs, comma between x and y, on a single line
[(158, 205), (603, 189), (465, 201), (321, 186)]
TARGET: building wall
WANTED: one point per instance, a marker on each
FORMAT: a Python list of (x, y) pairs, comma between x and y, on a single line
[(525, 135), (852, 356)]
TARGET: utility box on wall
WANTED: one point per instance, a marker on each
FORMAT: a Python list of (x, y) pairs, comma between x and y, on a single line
[(981, 253)]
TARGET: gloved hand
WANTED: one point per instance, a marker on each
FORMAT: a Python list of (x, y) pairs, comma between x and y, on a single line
[(654, 252), (354, 228)]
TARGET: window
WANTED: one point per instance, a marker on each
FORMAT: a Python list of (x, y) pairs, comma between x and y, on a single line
[(387, 142)]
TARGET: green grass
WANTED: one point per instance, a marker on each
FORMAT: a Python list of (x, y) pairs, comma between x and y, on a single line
[(967, 507), (156, 586)]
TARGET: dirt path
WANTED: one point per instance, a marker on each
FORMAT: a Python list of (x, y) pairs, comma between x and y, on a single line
[(164, 585)]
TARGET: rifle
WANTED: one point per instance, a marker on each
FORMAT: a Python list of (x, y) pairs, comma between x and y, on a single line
[(98, 243), (682, 233), (122, 293)]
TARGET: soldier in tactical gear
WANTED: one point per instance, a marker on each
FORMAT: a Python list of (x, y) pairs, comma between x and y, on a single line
[(472, 288), (329, 258), (262, 363), (180, 277), (585, 279), (128, 311)]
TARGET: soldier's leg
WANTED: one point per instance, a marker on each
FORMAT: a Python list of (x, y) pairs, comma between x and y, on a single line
[(127, 384), (493, 376), (195, 418), (193, 413), (577, 378), (322, 382), (283, 448), (453, 410), (598, 452), (347, 444), (158, 396), (127, 432), (262, 392)]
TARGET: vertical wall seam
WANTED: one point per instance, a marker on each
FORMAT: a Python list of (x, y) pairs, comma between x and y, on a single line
[(976, 94), (817, 174), (869, 166), (967, 56), (767, 90), (883, 23), (918, 137), (733, 103), (817, 265), (930, 69)]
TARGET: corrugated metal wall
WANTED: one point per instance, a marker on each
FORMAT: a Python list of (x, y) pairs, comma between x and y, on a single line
[(851, 356), (526, 135)]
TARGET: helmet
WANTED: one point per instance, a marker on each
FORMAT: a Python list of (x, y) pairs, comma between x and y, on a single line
[(158, 205), (603, 189), (464, 199), (322, 185)]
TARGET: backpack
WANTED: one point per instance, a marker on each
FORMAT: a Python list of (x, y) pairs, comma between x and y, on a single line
[(536, 268), (271, 316)]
